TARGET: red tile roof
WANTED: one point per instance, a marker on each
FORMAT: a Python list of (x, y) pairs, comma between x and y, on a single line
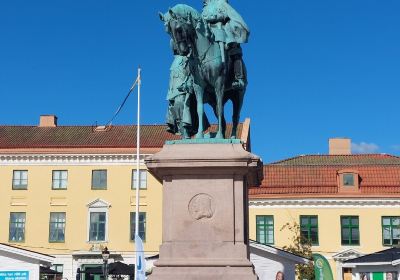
[(316, 175), (34, 137), (340, 160)]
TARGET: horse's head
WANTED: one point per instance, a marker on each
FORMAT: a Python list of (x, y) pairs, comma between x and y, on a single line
[(180, 23)]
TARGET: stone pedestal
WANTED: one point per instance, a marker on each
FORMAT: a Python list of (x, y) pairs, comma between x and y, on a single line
[(205, 211)]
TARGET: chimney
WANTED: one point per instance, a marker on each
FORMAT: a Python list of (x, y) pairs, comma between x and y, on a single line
[(340, 146), (48, 121)]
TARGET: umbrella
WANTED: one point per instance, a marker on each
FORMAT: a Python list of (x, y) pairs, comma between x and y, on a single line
[(119, 268)]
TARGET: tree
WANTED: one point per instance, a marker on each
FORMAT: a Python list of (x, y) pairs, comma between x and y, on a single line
[(300, 245)]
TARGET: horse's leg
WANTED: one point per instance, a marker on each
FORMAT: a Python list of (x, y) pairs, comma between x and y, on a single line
[(200, 110), (237, 102), (219, 91), (214, 107), (223, 119)]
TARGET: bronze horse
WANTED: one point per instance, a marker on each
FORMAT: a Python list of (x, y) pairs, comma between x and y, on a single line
[(212, 77)]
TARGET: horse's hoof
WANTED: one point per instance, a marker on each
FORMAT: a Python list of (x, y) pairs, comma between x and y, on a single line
[(199, 136), (219, 135)]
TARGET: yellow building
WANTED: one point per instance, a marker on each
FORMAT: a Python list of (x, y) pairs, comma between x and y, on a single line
[(348, 205), (68, 191)]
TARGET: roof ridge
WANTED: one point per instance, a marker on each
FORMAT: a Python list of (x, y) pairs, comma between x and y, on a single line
[(277, 248), (284, 160), (338, 160), (87, 136)]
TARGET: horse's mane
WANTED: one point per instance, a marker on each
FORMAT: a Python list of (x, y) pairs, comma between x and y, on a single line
[(183, 10)]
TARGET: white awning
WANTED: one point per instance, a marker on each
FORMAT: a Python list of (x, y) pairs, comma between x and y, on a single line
[(43, 259)]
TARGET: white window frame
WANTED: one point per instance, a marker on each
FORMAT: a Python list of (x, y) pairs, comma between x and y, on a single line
[(98, 206), (60, 172), (19, 186), (133, 181), (57, 222)]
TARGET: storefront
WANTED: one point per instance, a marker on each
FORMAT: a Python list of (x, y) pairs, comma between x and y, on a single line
[(383, 265), (21, 264), (89, 265)]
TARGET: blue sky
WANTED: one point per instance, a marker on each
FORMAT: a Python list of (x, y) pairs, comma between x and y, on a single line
[(317, 69)]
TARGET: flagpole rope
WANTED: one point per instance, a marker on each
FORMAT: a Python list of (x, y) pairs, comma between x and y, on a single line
[(109, 123)]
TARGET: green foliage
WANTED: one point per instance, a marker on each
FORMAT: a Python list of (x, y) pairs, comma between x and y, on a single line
[(301, 246)]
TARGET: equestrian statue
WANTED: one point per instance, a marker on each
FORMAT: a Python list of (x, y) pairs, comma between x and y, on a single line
[(208, 67)]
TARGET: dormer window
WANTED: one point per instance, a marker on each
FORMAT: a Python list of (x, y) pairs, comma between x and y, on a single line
[(348, 180)]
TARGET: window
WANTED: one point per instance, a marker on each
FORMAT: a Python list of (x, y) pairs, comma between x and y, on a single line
[(57, 227), (265, 229), (350, 230), (391, 231), (142, 225), (348, 179), (99, 179), (17, 227), (20, 180), (97, 221), (97, 230), (59, 268), (309, 228), (60, 179), (143, 179)]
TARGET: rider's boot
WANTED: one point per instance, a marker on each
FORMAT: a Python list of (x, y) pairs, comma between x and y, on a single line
[(235, 54), (185, 133), (183, 130)]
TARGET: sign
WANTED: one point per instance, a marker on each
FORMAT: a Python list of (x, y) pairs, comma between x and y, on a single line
[(322, 268), (140, 260), (14, 275)]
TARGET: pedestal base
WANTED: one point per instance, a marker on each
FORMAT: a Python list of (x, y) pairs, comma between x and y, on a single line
[(205, 227), (203, 273)]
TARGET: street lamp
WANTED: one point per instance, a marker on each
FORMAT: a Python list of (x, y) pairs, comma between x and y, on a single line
[(105, 255)]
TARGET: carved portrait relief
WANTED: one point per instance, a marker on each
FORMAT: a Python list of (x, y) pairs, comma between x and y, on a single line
[(201, 206)]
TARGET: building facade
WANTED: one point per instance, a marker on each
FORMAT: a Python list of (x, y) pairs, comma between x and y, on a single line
[(69, 191), (347, 205)]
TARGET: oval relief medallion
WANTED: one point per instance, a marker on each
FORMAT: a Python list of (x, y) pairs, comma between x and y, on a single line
[(201, 206)]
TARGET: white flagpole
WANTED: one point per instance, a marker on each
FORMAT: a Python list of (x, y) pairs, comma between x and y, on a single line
[(137, 167)]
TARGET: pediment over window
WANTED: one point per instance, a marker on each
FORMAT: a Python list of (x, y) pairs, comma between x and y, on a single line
[(99, 203), (347, 254)]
